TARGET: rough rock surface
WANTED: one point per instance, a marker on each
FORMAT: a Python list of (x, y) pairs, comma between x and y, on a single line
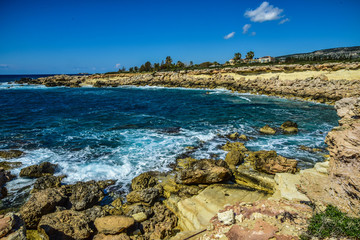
[(195, 212), (262, 220), (40, 170), (289, 127), (11, 154), (65, 224), (267, 130), (121, 236), (234, 157), (113, 224), (144, 180), (85, 194), (47, 182), (204, 171), (270, 162), (12, 227), (41, 203), (248, 177), (5, 176), (9, 165), (148, 195)]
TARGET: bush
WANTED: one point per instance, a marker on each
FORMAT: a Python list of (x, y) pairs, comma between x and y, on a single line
[(332, 223)]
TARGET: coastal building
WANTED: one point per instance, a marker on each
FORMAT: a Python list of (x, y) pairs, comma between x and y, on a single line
[(266, 59)]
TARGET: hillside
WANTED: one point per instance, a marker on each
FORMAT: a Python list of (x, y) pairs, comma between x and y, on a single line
[(331, 53)]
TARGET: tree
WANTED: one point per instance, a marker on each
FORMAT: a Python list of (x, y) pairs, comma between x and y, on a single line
[(191, 63), (180, 64), (250, 55), (136, 69), (148, 67), (156, 66), (168, 61), (237, 56), (131, 69)]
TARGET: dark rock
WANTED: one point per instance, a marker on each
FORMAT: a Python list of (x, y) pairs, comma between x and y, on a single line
[(41, 203), (5, 176), (10, 165), (204, 171), (11, 154), (289, 127), (40, 170), (234, 157), (66, 224)]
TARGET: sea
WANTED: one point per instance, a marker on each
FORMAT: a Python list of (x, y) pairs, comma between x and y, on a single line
[(120, 132)]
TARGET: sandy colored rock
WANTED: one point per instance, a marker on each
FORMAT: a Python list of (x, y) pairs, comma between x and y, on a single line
[(286, 187), (47, 182), (41, 203), (148, 195), (12, 227), (85, 194), (234, 145), (35, 171), (246, 176), (113, 224), (121, 236), (234, 157), (67, 224), (144, 180), (11, 154), (267, 130), (195, 212)]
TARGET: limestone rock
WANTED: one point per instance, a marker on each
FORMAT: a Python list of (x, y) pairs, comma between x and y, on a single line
[(234, 157), (85, 195), (121, 236), (5, 176), (41, 203), (149, 195), (144, 180), (227, 217), (65, 224), (286, 187), (113, 224), (40, 170), (12, 227), (47, 182), (234, 135), (267, 130), (234, 145), (289, 127), (245, 176), (204, 171), (9, 165), (195, 212), (11, 154), (270, 162)]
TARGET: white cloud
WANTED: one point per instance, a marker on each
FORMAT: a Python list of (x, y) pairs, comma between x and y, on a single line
[(264, 12), (284, 21), (4, 66), (246, 28), (253, 34), (230, 35), (117, 65)]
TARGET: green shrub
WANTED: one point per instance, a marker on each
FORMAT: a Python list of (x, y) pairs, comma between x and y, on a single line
[(332, 223)]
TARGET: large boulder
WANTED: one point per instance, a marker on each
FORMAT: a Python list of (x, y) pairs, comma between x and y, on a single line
[(289, 127), (67, 224), (149, 195), (35, 171), (12, 227), (5, 176), (11, 154), (144, 180), (267, 130), (47, 182), (234, 157), (270, 162), (113, 224), (234, 146), (41, 203), (85, 195), (204, 171)]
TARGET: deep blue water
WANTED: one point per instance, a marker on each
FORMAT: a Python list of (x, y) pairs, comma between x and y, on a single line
[(118, 133)]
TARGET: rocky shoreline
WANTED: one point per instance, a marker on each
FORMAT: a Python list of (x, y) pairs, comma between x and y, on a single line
[(248, 195), (325, 83)]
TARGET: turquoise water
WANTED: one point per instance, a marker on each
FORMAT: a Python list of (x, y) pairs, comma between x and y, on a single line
[(118, 133)]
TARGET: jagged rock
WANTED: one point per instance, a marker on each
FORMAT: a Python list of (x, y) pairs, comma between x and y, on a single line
[(234, 145), (47, 182), (12, 227), (270, 162), (121, 236), (94, 212), (5, 176), (144, 180), (41, 203), (11, 154), (234, 135), (204, 171), (113, 224), (149, 195), (40, 170), (227, 217), (184, 163), (289, 127), (243, 137), (195, 212), (67, 224), (170, 186), (9, 165), (234, 157), (85, 195)]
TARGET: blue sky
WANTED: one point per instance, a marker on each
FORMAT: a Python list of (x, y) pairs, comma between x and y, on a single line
[(54, 36)]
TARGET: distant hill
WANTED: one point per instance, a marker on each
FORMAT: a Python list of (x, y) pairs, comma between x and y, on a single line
[(325, 54)]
